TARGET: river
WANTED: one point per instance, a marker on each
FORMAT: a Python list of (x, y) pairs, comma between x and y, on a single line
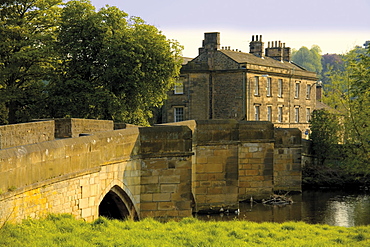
[(335, 208)]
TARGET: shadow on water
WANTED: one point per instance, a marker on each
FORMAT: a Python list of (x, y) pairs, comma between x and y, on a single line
[(336, 208)]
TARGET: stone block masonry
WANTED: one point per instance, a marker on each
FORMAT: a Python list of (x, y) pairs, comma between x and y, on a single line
[(26, 133), (164, 171)]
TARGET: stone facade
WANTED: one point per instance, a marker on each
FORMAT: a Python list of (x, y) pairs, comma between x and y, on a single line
[(262, 85)]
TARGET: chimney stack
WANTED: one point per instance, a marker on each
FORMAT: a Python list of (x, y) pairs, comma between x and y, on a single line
[(278, 51), (256, 46), (211, 42)]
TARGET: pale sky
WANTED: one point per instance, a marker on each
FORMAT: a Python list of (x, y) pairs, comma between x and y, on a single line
[(334, 25)]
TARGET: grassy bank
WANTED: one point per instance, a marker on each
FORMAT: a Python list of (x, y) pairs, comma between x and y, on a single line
[(63, 230)]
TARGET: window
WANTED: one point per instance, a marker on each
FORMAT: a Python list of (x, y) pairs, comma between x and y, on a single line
[(268, 86), (308, 114), (269, 113), (179, 114), (256, 85), (257, 112), (280, 114), (179, 86), (296, 115), (280, 88), (297, 87), (308, 92)]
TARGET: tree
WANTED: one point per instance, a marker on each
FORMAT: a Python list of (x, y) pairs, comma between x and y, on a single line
[(308, 59), (349, 94), (111, 66), (325, 135), (27, 30), (330, 62)]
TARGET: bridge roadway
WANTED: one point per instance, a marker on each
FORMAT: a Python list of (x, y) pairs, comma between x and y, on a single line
[(162, 171)]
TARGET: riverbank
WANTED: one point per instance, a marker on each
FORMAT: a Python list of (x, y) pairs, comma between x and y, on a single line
[(63, 230), (333, 176)]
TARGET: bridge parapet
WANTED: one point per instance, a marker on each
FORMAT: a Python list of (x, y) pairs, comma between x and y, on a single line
[(26, 165), (160, 171)]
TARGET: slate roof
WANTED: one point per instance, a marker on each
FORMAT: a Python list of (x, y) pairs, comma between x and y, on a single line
[(242, 57)]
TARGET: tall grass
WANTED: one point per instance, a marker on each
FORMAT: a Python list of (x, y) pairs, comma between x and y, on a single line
[(64, 230)]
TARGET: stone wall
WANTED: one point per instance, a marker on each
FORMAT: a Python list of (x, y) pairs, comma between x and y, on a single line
[(27, 165), (150, 166), (215, 174), (256, 160), (79, 195), (13, 135), (154, 169), (287, 160), (252, 157), (73, 127), (165, 154)]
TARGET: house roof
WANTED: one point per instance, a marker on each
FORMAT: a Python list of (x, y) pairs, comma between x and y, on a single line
[(242, 57)]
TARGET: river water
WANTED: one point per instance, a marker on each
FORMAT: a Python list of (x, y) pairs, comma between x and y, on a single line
[(336, 208)]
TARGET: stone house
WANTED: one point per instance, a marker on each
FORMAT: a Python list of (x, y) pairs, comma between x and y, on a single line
[(262, 85)]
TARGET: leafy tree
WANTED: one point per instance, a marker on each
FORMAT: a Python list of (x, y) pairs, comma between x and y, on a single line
[(308, 59), (349, 94), (330, 62), (27, 30), (325, 135), (111, 66)]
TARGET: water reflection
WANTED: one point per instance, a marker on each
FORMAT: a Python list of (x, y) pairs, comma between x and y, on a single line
[(334, 208)]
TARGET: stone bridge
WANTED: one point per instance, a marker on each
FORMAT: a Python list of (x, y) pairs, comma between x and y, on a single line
[(88, 169)]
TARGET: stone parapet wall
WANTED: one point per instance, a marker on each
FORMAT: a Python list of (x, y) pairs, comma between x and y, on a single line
[(26, 165), (26, 133), (73, 127), (77, 195), (161, 171)]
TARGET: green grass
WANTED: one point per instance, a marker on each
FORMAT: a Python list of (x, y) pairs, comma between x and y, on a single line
[(64, 230)]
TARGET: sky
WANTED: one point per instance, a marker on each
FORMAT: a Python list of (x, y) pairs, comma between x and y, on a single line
[(335, 25)]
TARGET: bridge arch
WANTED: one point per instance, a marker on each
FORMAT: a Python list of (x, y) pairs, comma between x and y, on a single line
[(117, 204)]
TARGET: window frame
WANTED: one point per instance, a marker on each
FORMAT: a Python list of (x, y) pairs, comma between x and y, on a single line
[(257, 112), (269, 87), (308, 91), (280, 114), (308, 114), (269, 113), (297, 90), (179, 86), (296, 114), (256, 86), (280, 88), (176, 114)]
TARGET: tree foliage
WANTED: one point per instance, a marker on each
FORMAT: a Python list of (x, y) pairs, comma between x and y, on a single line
[(309, 59), (349, 94), (330, 62), (73, 61), (325, 135), (112, 66), (27, 31)]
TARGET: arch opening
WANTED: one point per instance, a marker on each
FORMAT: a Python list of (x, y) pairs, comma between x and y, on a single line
[(117, 205)]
